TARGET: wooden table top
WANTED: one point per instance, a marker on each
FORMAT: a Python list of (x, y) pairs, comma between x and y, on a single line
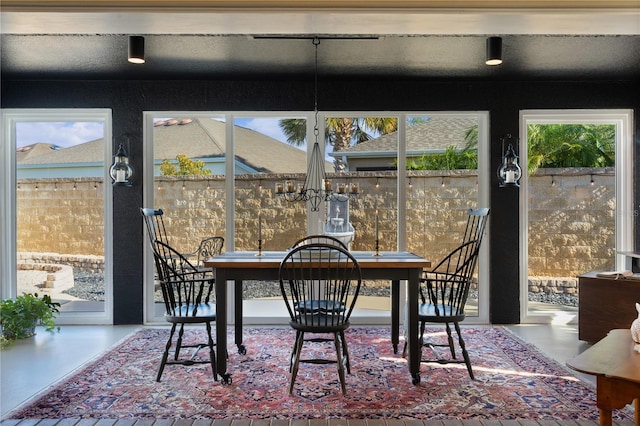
[(612, 356), (272, 259)]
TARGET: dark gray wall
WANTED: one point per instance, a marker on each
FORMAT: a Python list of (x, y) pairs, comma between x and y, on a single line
[(504, 100)]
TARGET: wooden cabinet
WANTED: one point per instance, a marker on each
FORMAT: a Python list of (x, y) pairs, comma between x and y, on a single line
[(605, 304)]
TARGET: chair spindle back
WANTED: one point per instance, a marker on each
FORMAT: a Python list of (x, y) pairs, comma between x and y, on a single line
[(320, 284)]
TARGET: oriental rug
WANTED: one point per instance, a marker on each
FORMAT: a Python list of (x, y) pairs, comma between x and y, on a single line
[(514, 380)]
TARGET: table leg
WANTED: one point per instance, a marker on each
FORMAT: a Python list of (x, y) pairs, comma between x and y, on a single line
[(395, 314), (221, 325), (636, 411), (412, 324), (605, 417), (615, 393), (242, 350)]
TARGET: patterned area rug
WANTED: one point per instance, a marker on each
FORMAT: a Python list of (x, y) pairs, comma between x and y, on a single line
[(514, 381)]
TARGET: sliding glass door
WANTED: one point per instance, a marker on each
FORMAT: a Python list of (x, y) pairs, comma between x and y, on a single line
[(57, 194), (217, 173), (577, 204)]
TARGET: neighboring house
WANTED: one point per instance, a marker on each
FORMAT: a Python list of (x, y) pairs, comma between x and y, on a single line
[(43, 160), (202, 139), (429, 137)]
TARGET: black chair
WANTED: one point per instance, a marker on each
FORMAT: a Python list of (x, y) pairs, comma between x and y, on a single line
[(320, 285), (320, 238), (445, 288), (155, 224), (188, 295)]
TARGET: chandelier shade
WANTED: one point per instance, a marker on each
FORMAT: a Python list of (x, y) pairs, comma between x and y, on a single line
[(317, 188)]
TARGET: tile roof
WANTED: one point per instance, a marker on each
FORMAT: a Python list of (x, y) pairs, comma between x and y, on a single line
[(196, 138), (88, 152), (433, 135)]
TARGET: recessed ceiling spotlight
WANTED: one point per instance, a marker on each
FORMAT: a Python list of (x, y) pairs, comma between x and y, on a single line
[(494, 51), (136, 49)]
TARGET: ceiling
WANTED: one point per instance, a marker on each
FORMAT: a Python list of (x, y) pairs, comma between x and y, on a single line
[(405, 43)]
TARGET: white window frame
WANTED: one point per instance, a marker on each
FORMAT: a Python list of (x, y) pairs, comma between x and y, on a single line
[(8, 203), (623, 121)]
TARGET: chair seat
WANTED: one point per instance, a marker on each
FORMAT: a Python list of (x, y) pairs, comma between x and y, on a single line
[(427, 312), (320, 306), (319, 324), (205, 312)]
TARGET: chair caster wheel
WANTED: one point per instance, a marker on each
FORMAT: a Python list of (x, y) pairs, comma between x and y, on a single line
[(242, 350), (415, 379), (226, 379)]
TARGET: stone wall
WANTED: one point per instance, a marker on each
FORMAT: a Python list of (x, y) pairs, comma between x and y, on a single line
[(571, 221)]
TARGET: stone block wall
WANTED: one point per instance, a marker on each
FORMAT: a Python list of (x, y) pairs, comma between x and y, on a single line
[(571, 221)]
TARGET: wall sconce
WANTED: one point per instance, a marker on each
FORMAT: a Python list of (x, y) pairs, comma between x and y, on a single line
[(120, 170), (509, 172), (136, 49), (494, 51)]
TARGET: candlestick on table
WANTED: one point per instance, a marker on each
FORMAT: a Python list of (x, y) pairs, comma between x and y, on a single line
[(259, 235), (376, 225), (377, 253)]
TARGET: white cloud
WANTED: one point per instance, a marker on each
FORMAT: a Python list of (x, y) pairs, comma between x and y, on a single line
[(58, 133)]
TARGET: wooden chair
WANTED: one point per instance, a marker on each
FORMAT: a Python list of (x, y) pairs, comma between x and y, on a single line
[(324, 239), (445, 288), (320, 284), (188, 295)]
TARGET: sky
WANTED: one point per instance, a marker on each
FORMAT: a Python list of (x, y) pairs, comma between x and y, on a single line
[(73, 133), (67, 134), (57, 133)]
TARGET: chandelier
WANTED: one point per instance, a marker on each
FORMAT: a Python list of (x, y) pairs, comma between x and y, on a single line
[(316, 187)]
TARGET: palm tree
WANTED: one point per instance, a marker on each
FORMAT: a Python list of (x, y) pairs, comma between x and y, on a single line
[(570, 145), (339, 132)]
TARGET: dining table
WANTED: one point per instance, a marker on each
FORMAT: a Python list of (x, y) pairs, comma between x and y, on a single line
[(395, 266)]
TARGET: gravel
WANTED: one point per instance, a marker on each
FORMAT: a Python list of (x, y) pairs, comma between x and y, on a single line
[(87, 286), (91, 287)]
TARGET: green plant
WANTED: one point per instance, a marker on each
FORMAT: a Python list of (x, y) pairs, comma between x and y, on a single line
[(19, 316)]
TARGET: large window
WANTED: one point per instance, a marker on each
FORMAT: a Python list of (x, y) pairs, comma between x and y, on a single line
[(576, 194), (228, 188), (56, 191)]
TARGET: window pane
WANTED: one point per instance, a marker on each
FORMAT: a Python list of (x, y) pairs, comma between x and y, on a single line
[(60, 212), (365, 152), (442, 178), (571, 210), (264, 158)]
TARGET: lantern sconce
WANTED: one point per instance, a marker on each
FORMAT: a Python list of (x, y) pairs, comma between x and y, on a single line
[(509, 172), (120, 170)]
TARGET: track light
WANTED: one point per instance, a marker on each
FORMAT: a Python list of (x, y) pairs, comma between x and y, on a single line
[(494, 51), (136, 49)]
